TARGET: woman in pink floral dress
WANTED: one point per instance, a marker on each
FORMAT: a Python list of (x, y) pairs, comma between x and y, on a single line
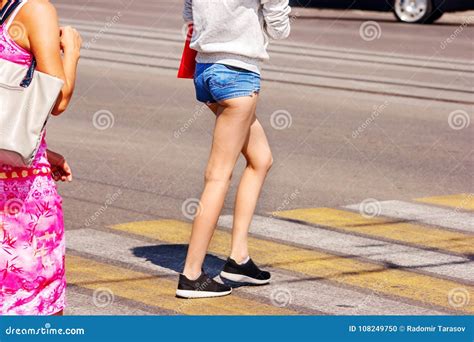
[(32, 248)]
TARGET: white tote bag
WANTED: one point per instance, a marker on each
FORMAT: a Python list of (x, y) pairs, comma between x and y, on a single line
[(27, 98)]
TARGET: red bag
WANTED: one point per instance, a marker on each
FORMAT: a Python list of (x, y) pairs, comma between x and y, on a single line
[(188, 60)]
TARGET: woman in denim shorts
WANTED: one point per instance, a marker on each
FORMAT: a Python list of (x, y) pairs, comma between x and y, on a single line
[(231, 37)]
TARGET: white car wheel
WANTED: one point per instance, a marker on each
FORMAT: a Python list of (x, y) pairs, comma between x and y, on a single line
[(413, 11)]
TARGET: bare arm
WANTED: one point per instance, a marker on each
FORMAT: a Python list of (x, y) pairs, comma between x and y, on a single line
[(60, 169), (277, 18), (56, 50)]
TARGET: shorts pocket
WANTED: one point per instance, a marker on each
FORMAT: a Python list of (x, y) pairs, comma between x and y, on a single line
[(223, 76)]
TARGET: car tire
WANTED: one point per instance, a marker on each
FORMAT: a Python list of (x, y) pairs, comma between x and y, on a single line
[(423, 12), (435, 16)]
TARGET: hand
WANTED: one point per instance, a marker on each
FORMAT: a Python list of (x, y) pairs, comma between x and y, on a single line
[(60, 169), (71, 41)]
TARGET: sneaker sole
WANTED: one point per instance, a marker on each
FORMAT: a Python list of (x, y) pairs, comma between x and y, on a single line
[(200, 294), (239, 278)]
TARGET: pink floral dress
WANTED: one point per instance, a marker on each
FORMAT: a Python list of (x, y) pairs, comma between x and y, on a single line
[(32, 247)]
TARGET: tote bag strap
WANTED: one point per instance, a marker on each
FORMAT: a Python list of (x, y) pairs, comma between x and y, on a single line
[(8, 12)]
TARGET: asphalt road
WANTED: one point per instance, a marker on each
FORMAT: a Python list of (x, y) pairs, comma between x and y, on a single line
[(358, 109)]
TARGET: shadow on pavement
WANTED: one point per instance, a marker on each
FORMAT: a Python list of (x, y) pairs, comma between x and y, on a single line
[(173, 257)]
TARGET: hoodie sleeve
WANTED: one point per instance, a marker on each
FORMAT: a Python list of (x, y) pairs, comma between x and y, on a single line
[(277, 18), (188, 11)]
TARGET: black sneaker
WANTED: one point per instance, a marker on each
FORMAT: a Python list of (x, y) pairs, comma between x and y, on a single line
[(246, 273), (202, 287)]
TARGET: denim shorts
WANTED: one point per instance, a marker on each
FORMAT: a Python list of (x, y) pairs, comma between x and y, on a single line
[(217, 82)]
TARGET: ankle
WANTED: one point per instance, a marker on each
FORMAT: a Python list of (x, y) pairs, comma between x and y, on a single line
[(192, 275), (240, 259)]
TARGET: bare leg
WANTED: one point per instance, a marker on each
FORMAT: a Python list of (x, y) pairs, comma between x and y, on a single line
[(233, 122), (257, 152), (259, 160)]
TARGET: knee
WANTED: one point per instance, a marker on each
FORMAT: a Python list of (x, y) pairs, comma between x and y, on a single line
[(263, 164), (217, 175)]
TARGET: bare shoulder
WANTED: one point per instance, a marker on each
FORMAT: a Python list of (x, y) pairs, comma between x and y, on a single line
[(38, 13), (43, 9)]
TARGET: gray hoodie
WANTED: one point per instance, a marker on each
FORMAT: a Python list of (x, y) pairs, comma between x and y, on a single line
[(236, 32)]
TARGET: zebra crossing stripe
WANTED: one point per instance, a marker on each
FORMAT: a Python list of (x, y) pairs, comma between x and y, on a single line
[(423, 214), (397, 230), (399, 255), (456, 201), (287, 290), (155, 290), (411, 286)]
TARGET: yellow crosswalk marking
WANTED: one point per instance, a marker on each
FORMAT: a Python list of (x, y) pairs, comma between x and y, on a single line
[(459, 201), (158, 291), (393, 229), (317, 265)]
